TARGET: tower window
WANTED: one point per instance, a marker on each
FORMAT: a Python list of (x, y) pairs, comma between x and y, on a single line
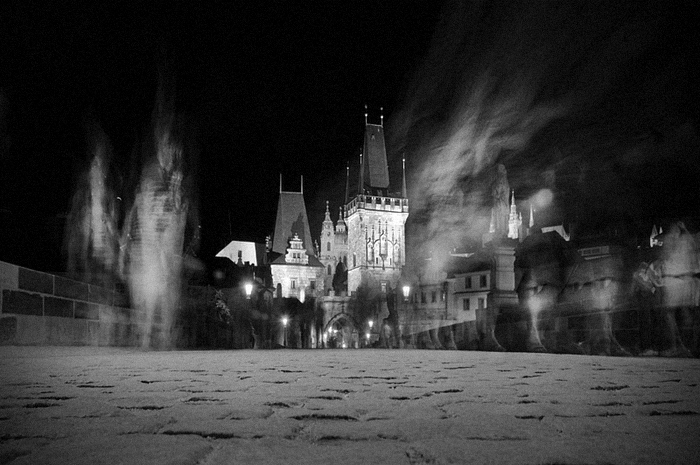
[(328, 246), (329, 269), (294, 284)]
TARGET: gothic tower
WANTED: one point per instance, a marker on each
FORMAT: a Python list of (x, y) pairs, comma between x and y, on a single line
[(375, 219)]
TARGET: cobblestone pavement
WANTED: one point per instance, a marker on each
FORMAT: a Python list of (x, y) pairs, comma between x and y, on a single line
[(85, 405)]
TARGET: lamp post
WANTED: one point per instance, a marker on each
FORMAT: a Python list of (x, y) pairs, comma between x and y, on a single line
[(406, 292), (285, 320), (369, 333)]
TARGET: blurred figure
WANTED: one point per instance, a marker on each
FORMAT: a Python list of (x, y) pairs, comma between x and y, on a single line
[(679, 287), (152, 246), (644, 282), (92, 236)]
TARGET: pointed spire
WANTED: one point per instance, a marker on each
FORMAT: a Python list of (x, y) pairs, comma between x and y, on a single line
[(328, 213), (347, 182), (302, 184), (381, 110), (403, 186), (365, 114), (512, 197), (280, 183), (532, 216), (361, 185)]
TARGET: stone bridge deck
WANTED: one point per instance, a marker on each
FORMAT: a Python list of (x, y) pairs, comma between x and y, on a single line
[(89, 405)]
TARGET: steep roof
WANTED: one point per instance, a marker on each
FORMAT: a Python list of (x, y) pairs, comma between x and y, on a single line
[(376, 169), (291, 219)]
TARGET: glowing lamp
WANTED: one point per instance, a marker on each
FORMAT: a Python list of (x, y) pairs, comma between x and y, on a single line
[(371, 323), (248, 290), (302, 295), (285, 320), (406, 292)]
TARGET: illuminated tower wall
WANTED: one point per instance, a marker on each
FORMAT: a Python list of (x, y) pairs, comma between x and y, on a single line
[(376, 220)]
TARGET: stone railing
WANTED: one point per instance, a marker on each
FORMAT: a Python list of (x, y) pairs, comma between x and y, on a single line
[(43, 308)]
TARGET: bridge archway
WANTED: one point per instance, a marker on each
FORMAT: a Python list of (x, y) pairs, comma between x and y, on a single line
[(342, 332)]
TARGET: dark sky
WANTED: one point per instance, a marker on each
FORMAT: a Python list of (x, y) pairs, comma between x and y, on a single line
[(263, 87), (597, 101)]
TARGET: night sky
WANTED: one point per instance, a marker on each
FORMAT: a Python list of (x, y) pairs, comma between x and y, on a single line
[(596, 101)]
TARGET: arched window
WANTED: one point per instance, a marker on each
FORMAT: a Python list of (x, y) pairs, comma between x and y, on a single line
[(328, 246), (329, 269), (354, 260)]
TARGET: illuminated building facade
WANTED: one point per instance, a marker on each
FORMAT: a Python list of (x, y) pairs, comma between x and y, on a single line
[(376, 219), (296, 271)]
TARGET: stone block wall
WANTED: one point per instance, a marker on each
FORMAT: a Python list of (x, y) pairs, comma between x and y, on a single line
[(42, 308)]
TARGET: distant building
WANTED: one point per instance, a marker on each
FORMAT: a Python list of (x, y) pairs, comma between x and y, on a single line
[(375, 219), (333, 247), (244, 253), (296, 271)]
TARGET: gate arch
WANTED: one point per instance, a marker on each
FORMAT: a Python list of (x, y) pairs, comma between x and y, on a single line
[(342, 329)]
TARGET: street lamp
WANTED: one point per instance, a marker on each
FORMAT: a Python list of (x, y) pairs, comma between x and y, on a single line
[(371, 323), (406, 292), (248, 290), (285, 320)]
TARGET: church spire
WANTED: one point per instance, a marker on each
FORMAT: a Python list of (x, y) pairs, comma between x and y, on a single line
[(328, 213), (532, 216), (365, 114), (381, 112), (403, 185), (347, 183), (514, 221), (361, 185)]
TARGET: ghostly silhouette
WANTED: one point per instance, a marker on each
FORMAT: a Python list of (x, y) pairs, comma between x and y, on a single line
[(678, 286)]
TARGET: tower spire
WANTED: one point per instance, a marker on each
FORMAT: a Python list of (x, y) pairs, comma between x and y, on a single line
[(302, 184), (532, 216), (347, 182), (365, 114), (403, 185), (361, 184), (381, 112), (280, 183)]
